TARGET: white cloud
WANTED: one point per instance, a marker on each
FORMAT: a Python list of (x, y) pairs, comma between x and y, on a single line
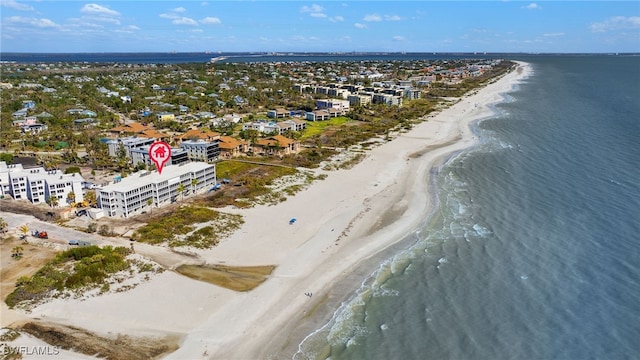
[(553, 34), (103, 19), (16, 5), (127, 29), (98, 9), (399, 38), (184, 21), (392, 18), (336, 19), (209, 20), (360, 26), (179, 9), (318, 15), (532, 6), (42, 23), (315, 8), (169, 16), (616, 23), (372, 17)]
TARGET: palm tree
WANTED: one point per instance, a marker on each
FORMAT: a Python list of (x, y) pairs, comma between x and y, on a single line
[(181, 189), (53, 201), (71, 197), (150, 203), (194, 183), (24, 229), (17, 252), (3, 226), (90, 198)]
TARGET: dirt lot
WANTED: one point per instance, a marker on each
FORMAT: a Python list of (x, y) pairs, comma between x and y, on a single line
[(12, 268), (82, 341)]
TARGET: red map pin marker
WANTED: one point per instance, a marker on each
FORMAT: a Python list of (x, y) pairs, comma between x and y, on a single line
[(160, 153)]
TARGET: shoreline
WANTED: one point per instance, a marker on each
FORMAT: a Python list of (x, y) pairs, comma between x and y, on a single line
[(347, 225), (382, 202)]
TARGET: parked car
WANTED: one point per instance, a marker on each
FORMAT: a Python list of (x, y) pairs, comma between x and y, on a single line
[(79, 243)]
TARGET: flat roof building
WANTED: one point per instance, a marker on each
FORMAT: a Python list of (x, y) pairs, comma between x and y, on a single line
[(38, 185), (143, 190)]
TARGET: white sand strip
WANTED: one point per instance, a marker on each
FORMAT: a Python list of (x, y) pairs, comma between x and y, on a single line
[(333, 233)]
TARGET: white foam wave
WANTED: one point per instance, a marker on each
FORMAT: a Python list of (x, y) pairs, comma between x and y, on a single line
[(481, 230)]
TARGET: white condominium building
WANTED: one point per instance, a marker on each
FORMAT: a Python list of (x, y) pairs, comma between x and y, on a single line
[(140, 191), (38, 185)]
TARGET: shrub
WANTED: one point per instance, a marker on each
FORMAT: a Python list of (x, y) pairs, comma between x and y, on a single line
[(76, 268)]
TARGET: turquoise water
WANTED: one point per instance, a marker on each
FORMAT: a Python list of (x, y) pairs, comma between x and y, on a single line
[(535, 250)]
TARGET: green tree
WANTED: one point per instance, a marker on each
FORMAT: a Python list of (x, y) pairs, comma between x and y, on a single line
[(3, 226), (71, 197), (24, 230), (17, 252), (194, 183), (53, 201), (91, 198), (6, 157), (181, 189), (73, 169)]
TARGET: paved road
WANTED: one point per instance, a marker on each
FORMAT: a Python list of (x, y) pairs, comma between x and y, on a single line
[(59, 237)]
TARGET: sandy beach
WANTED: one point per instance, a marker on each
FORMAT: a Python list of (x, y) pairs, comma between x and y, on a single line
[(343, 221)]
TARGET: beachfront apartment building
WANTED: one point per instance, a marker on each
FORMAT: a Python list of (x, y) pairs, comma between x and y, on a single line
[(143, 190), (333, 104), (128, 144), (39, 185), (359, 99), (141, 155), (323, 114), (200, 150), (387, 99), (276, 145)]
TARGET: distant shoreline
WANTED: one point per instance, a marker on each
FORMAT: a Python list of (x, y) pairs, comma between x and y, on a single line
[(231, 57)]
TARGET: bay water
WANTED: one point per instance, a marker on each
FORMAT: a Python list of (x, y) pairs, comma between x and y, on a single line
[(534, 251)]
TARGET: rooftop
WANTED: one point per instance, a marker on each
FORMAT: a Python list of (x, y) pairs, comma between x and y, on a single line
[(140, 178)]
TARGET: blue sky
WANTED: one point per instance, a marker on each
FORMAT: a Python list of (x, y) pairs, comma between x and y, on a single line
[(260, 25)]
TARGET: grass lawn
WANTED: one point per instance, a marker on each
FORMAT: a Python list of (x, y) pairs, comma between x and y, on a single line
[(318, 127)]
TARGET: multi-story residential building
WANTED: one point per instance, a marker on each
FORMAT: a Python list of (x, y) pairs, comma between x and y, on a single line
[(128, 143), (262, 126), (231, 147), (333, 103), (276, 145), (359, 99), (38, 185), (386, 99), (293, 125), (317, 115), (141, 155), (323, 114), (199, 150), (140, 191), (199, 134), (278, 113)]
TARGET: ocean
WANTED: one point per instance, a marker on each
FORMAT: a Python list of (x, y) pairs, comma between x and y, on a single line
[(534, 251)]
